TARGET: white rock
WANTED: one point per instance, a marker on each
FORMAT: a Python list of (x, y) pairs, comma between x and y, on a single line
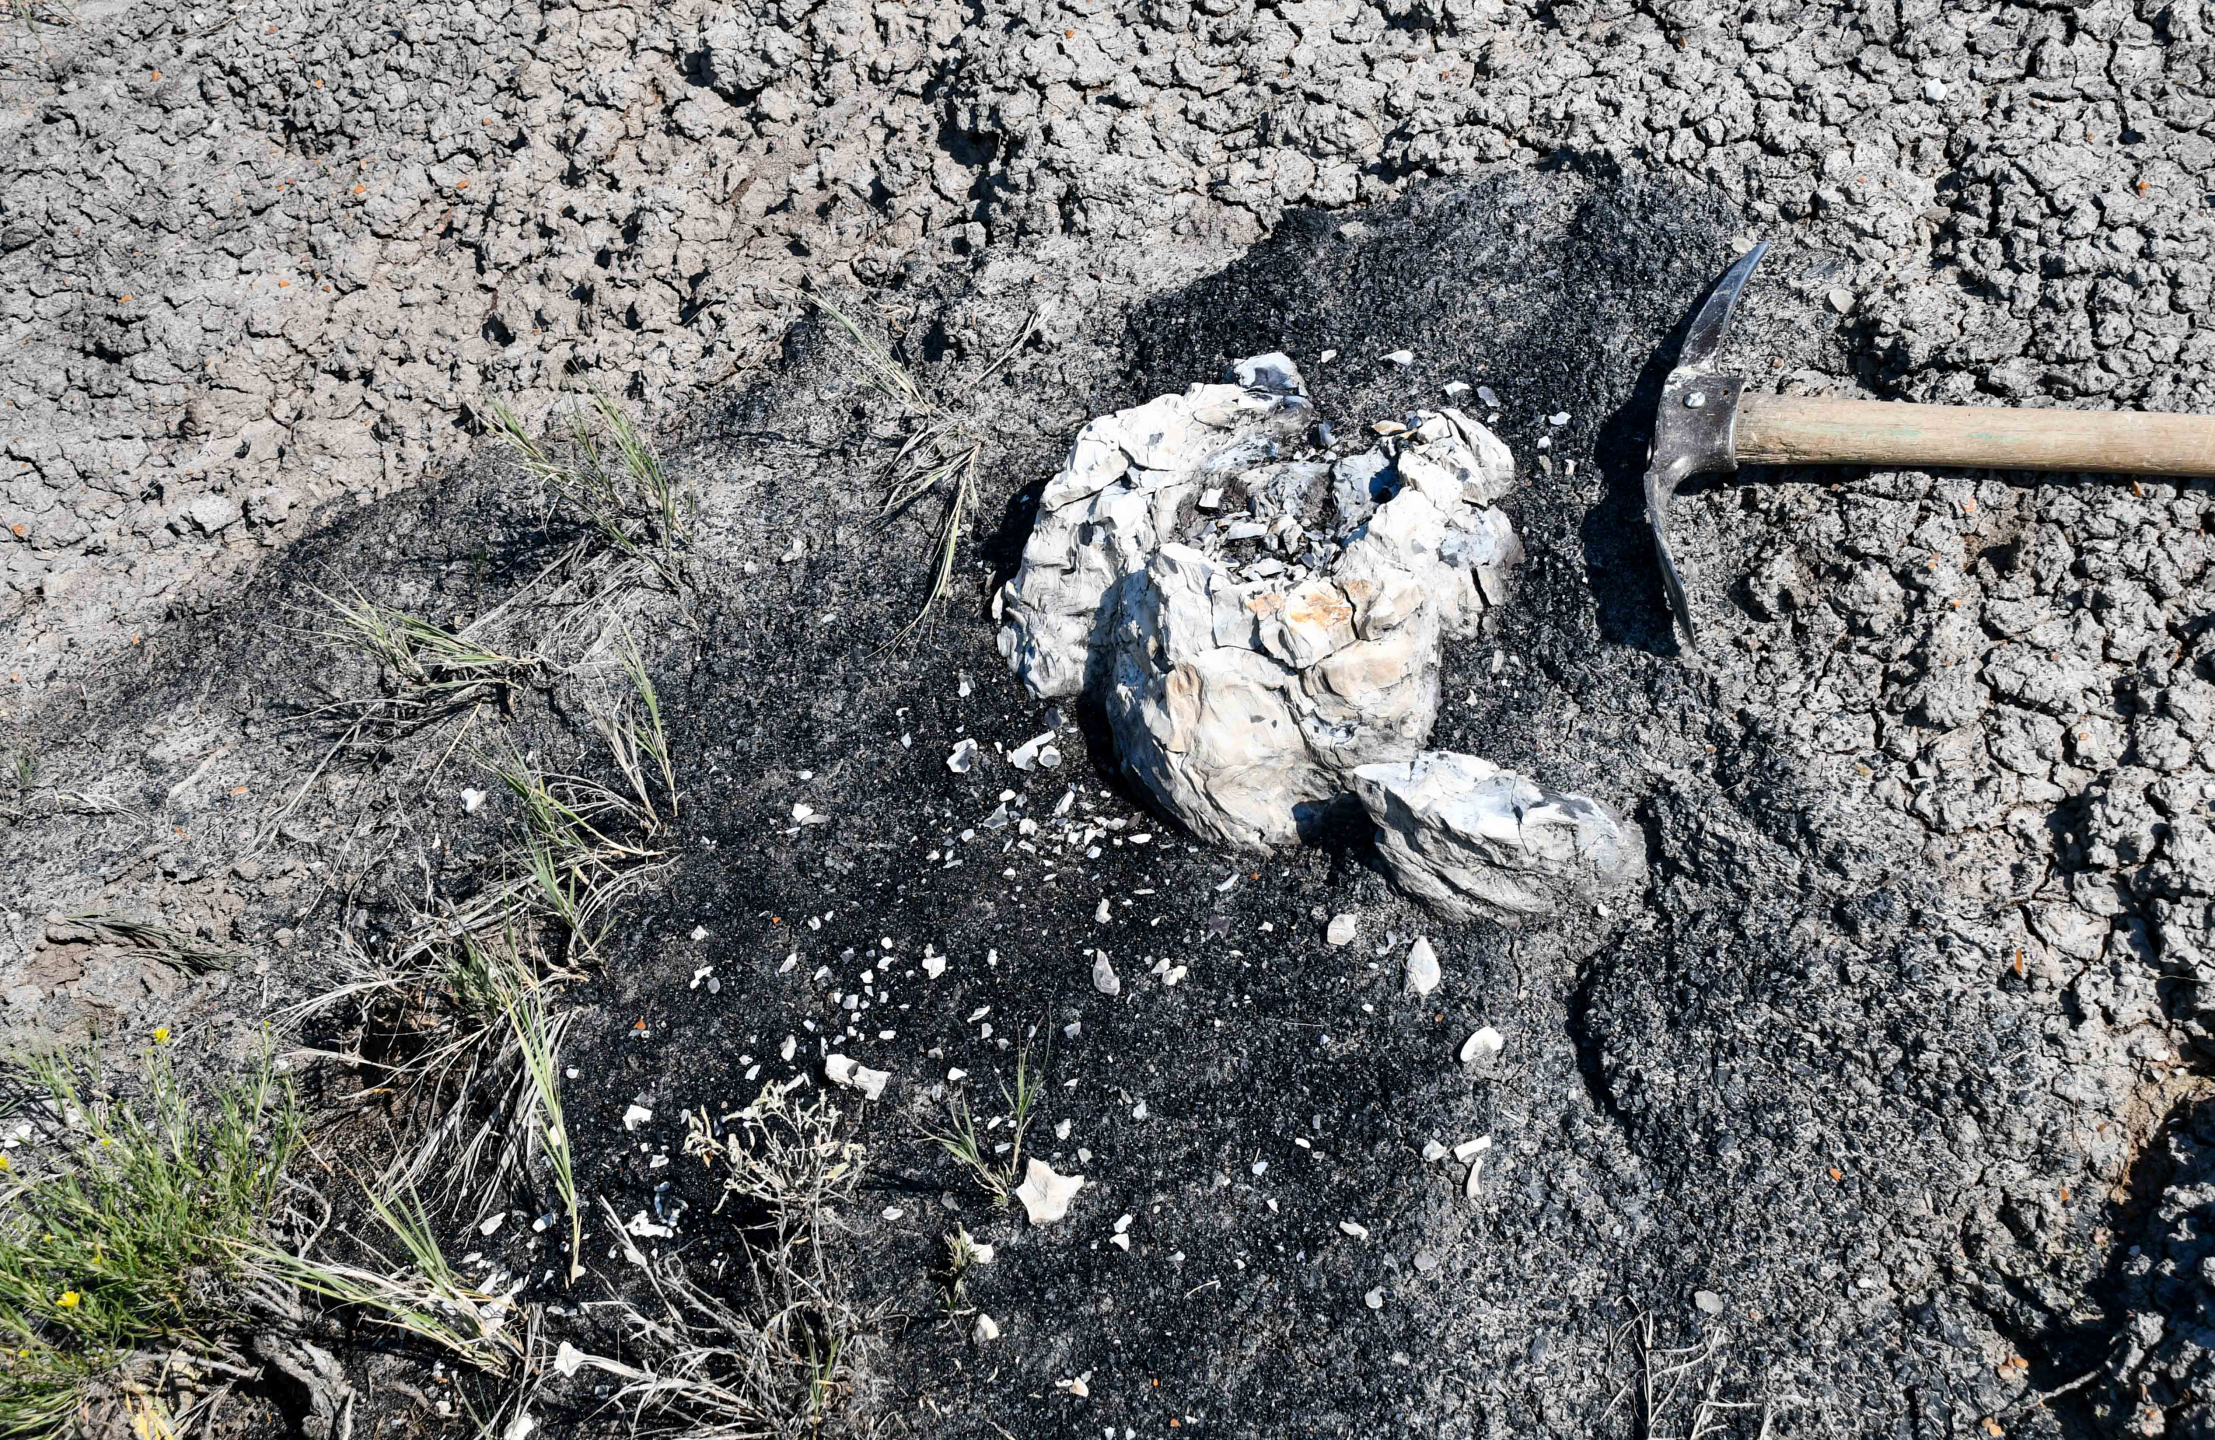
[(1423, 973), (636, 1116), (1027, 755), (1433, 1152), (470, 800), (1102, 915), (855, 1076), (1842, 300), (791, 1044), (985, 1329), (1341, 931), (568, 1359), (934, 966), (1485, 1045), (1470, 1149), (491, 1223), (1374, 1299), (1709, 1302), (1354, 1228), (1046, 1194), (699, 933), (1934, 91), (1400, 357), (1120, 1241), (520, 1427), (1475, 841), (964, 756), (1104, 978), (1455, 388), (646, 1228), (1558, 419)]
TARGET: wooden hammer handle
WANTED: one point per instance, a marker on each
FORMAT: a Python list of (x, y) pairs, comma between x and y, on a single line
[(1797, 430)]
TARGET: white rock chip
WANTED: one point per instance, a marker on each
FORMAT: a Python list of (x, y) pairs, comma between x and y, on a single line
[(1483, 1047), (1341, 930), (1045, 1194), (1354, 1228), (1475, 841), (986, 1328), (470, 800), (636, 1116), (855, 1076), (964, 756), (568, 1359), (1709, 1302), (1423, 973), (1104, 978)]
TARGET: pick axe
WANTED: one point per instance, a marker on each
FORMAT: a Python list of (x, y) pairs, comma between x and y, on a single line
[(1708, 425)]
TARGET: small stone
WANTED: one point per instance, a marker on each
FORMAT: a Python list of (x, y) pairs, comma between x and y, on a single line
[(1401, 358), (964, 756), (1558, 419), (985, 1329), (855, 1076), (699, 933), (1121, 1242), (1354, 1228), (1104, 978), (1433, 1152), (1102, 915), (1842, 301), (934, 966), (1425, 1262), (1486, 398), (1483, 1047), (1709, 1302), (1046, 1194), (1456, 388), (1423, 973), (1341, 931), (285, 939), (568, 1359), (490, 1223), (636, 1116), (1374, 1299), (1934, 91), (1030, 753), (470, 800)]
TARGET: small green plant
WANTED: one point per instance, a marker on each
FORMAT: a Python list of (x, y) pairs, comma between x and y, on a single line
[(584, 846), (962, 1141), (637, 738), (129, 1229), (963, 1252), (437, 670), (940, 451), (424, 1296), (538, 1037), (26, 766), (612, 476)]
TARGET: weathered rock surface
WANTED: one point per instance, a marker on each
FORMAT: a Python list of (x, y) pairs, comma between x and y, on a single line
[(1475, 841), (1257, 623)]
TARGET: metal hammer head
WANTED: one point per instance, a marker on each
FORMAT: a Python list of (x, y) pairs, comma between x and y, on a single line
[(1695, 431)]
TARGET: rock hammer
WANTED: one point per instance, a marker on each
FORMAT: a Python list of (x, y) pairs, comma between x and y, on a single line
[(1708, 425)]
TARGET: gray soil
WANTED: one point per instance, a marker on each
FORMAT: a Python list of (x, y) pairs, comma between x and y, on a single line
[(1884, 1103)]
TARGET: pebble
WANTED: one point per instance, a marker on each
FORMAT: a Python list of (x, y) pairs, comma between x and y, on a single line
[(470, 800), (1456, 387), (636, 1116), (1326, 357), (855, 1076), (985, 1329), (1934, 91), (1121, 1242), (1102, 915), (1104, 978), (1374, 1299), (1709, 1302), (1434, 1152), (1484, 1046), (699, 933), (1354, 1228), (1032, 753), (285, 938), (964, 756), (1842, 301), (567, 1360), (1045, 1193), (491, 1223), (1341, 931), (1400, 357), (1558, 419), (1425, 1262), (1490, 400), (1423, 973)]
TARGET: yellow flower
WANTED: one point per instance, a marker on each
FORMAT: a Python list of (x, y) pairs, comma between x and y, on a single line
[(161, 1034), (6, 1164), (69, 1299)]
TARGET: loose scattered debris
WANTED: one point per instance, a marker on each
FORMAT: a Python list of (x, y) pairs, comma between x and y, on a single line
[(1104, 978), (1341, 931), (964, 756)]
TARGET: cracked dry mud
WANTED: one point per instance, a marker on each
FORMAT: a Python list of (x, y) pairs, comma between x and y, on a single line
[(1899, 1056)]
